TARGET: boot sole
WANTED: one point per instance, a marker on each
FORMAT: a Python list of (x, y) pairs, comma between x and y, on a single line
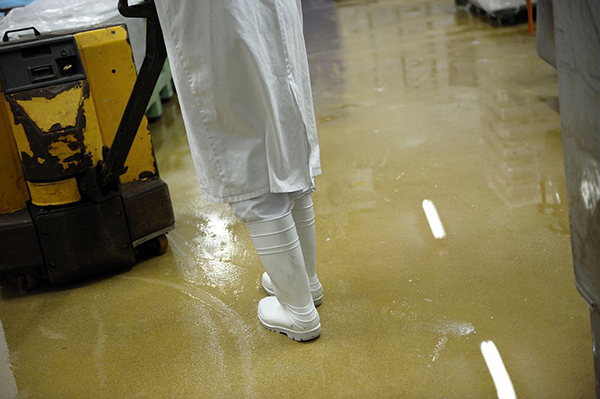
[(318, 301), (299, 336)]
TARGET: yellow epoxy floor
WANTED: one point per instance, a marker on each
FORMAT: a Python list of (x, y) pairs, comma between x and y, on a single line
[(414, 101)]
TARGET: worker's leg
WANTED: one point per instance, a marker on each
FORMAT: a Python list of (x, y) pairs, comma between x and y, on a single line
[(304, 218), (271, 225)]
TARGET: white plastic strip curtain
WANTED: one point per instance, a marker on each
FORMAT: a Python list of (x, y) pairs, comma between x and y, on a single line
[(55, 15), (493, 6)]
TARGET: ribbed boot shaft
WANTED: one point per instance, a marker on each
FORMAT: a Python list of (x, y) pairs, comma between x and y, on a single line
[(278, 246), (274, 236), (304, 218)]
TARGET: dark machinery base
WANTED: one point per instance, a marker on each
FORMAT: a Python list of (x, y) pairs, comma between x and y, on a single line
[(67, 243)]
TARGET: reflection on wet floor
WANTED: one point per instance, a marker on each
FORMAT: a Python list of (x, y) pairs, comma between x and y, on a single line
[(419, 107)]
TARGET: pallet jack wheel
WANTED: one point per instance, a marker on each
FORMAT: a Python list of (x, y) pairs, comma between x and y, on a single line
[(162, 244), (154, 247)]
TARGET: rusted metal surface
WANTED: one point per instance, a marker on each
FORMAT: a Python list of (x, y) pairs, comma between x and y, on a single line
[(58, 153)]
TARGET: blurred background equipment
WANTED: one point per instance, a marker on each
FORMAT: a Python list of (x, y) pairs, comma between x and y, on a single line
[(504, 12), (569, 39), (72, 207)]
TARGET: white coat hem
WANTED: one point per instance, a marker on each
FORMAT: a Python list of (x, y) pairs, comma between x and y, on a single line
[(281, 189), (236, 197)]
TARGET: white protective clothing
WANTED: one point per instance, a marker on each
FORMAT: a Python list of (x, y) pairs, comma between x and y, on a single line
[(241, 72), (265, 207), (304, 218), (291, 311)]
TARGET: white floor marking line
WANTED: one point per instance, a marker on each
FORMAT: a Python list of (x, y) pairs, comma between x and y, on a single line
[(437, 228), (492, 357)]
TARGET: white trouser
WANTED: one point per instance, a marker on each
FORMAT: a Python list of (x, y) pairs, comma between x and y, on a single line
[(266, 207)]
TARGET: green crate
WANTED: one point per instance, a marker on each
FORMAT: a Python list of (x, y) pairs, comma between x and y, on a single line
[(163, 92)]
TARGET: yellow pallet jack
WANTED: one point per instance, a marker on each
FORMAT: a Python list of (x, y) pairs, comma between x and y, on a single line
[(80, 193)]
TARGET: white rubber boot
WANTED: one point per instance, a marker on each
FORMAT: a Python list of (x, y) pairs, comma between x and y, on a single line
[(304, 217), (291, 311)]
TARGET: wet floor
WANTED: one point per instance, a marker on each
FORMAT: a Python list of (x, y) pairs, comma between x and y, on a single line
[(420, 109)]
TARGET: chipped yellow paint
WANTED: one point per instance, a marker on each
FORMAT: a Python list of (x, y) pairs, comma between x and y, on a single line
[(45, 113), (55, 193), (41, 161), (69, 109), (60, 149), (13, 190), (21, 139), (92, 139), (61, 109), (104, 51)]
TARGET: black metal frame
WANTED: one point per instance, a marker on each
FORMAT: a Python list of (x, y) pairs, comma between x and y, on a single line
[(156, 55)]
